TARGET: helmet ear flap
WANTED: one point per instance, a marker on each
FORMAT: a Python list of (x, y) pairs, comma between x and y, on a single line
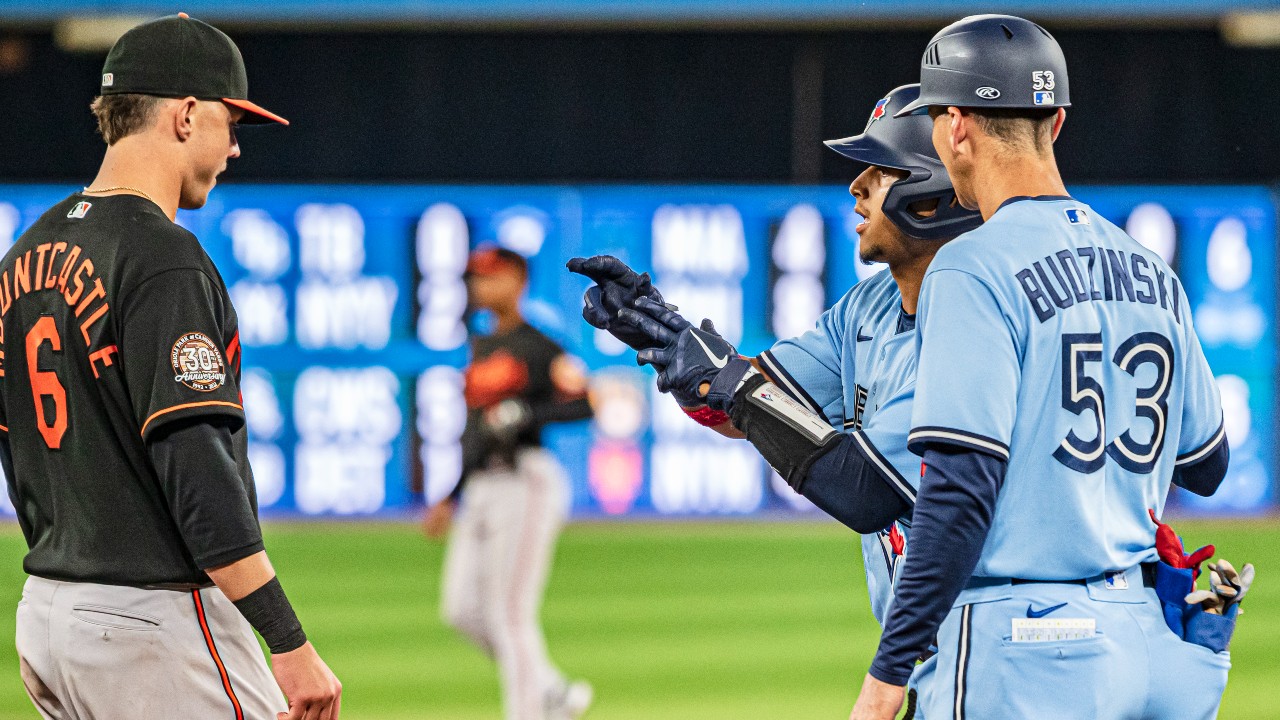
[(949, 218)]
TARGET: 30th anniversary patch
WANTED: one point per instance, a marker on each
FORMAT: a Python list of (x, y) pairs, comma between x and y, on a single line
[(197, 362)]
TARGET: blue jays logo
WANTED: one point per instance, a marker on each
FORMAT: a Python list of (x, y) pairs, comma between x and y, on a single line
[(894, 545), (879, 111)]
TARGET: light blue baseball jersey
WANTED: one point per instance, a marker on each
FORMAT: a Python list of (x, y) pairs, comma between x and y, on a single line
[(1051, 338), (857, 369)]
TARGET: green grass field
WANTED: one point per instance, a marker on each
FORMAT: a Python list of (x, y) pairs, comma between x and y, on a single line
[(668, 620)]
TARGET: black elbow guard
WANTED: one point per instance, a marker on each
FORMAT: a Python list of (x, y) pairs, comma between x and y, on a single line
[(788, 436)]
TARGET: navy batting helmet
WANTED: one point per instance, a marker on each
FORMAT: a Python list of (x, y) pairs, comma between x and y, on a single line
[(905, 143), (992, 61)]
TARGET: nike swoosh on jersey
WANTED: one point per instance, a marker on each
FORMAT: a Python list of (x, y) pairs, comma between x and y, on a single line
[(861, 337), (1033, 613), (717, 361)]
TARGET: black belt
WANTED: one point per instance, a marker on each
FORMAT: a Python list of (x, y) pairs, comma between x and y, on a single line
[(1148, 579), (177, 586)]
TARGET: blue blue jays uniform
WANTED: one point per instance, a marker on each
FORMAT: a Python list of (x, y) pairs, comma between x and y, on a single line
[(857, 369), (1051, 339)]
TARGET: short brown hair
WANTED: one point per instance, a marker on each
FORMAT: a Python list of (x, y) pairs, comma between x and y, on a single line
[(120, 116), (1021, 128)]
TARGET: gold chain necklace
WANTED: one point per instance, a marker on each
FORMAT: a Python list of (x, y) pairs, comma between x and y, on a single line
[(120, 187)]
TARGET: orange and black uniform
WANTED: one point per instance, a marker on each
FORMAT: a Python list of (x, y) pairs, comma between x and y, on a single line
[(514, 365), (124, 439)]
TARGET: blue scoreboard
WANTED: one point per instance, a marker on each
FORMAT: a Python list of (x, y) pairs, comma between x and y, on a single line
[(352, 314)]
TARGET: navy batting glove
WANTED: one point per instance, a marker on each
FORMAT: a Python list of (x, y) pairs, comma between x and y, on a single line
[(726, 383), (688, 357), (617, 287)]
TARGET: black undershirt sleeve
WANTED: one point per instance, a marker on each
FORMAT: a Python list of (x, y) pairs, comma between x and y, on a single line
[(848, 488), (194, 461), (1204, 477), (557, 410)]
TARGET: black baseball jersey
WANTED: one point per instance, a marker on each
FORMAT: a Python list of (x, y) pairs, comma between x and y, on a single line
[(116, 330), (515, 365)]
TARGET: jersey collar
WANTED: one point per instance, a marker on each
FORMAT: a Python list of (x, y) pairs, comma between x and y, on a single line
[(906, 323), (1033, 198)]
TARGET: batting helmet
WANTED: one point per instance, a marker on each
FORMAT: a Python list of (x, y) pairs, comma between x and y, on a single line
[(992, 61), (905, 143)]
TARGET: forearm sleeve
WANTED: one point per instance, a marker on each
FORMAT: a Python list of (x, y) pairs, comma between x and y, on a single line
[(848, 488), (201, 483), (952, 516), (1205, 475), (555, 411)]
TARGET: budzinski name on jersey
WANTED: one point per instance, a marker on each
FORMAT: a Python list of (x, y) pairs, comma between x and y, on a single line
[(1092, 274)]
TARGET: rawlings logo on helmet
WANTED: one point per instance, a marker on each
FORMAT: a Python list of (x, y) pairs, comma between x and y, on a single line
[(987, 92)]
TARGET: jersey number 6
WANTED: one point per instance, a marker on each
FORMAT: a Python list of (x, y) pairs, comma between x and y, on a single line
[(1081, 393), (45, 383)]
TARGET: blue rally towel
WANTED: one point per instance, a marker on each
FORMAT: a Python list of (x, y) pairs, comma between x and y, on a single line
[(1172, 586), (1209, 630), (1191, 622)]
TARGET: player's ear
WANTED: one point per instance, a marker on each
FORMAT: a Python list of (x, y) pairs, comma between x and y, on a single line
[(1058, 122), (184, 118), (959, 134)]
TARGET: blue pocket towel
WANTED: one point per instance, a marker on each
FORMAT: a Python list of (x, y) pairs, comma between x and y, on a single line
[(1211, 631), (1172, 586)]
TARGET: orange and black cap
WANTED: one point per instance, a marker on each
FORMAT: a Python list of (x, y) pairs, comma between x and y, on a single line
[(179, 56), (491, 260)]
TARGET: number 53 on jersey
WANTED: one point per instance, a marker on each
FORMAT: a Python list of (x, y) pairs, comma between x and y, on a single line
[(1082, 393)]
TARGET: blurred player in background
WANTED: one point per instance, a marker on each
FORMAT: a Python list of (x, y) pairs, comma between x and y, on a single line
[(123, 435), (1061, 389), (854, 372), (516, 497)]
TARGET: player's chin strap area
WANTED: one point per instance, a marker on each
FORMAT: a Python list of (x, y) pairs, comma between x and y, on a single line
[(788, 436)]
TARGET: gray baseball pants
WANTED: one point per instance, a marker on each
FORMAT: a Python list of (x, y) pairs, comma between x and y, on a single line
[(495, 571), (109, 652)]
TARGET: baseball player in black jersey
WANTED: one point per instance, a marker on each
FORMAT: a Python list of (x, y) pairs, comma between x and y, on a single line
[(121, 428), (517, 496)]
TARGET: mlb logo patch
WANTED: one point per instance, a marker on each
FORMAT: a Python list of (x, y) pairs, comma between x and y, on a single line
[(1076, 216), (79, 210), (1116, 580), (108, 79), (1043, 97)]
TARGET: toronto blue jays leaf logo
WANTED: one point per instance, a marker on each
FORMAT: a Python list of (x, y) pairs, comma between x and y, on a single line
[(879, 111)]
